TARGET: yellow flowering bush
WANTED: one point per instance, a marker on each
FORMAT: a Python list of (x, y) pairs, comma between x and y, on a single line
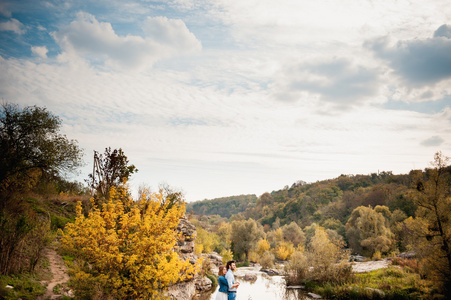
[(126, 253)]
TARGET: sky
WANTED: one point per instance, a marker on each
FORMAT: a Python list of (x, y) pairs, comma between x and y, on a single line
[(229, 97)]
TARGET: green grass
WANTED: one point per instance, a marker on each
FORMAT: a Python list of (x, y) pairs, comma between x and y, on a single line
[(25, 286), (389, 283)]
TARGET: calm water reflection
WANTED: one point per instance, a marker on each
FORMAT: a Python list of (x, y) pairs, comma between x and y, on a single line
[(265, 287)]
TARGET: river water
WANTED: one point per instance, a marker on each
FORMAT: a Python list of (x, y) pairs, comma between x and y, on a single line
[(265, 287)]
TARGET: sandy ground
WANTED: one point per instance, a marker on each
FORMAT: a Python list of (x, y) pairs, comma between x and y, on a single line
[(59, 272)]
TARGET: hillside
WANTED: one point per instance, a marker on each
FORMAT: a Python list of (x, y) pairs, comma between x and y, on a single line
[(328, 203), (225, 207)]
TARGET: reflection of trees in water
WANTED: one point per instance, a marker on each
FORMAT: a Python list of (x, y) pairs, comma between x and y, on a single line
[(292, 294)]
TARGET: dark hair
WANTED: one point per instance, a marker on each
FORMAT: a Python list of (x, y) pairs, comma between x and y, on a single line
[(221, 267), (229, 263)]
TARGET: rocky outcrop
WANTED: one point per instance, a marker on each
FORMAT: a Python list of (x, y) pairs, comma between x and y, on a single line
[(182, 291), (187, 289), (407, 255), (215, 259), (202, 284), (188, 230)]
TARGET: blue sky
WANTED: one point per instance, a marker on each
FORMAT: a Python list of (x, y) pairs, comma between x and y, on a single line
[(227, 97)]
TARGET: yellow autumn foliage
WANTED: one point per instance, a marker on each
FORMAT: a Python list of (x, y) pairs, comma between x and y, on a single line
[(126, 253), (284, 250), (263, 246)]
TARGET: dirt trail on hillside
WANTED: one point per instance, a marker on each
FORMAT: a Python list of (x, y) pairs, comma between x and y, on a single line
[(59, 272)]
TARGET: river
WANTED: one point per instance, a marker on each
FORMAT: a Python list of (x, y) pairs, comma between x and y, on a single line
[(265, 287)]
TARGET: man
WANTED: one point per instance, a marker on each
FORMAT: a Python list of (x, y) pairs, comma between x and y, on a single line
[(231, 267)]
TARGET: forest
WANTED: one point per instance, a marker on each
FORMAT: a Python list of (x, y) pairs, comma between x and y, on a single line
[(118, 247)]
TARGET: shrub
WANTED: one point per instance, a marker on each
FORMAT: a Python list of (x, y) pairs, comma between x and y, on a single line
[(126, 252), (58, 222), (267, 260), (226, 255), (322, 262)]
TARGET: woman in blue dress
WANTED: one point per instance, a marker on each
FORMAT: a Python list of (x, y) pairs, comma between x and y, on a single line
[(223, 286)]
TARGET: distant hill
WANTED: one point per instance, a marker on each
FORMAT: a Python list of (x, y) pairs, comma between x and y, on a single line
[(225, 207), (328, 203)]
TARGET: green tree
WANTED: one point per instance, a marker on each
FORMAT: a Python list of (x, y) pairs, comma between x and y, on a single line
[(244, 236), (367, 231), (31, 144), (293, 233), (31, 147)]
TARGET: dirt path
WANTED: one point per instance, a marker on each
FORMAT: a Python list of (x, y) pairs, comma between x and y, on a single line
[(59, 272)]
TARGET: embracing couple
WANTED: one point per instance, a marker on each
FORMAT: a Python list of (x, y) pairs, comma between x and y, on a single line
[(227, 284)]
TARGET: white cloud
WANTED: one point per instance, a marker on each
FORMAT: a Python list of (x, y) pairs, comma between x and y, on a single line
[(13, 25), (40, 51), (337, 81), (171, 32), (318, 24), (98, 43)]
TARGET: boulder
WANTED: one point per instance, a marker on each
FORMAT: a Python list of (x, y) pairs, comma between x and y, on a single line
[(186, 247), (202, 284), (182, 291), (270, 272), (357, 258), (250, 277), (215, 259)]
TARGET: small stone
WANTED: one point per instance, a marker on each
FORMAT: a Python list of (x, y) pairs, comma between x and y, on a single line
[(314, 296), (296, 287), (9, 287)]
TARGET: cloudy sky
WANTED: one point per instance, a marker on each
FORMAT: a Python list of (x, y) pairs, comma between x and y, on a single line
[(229, 97)]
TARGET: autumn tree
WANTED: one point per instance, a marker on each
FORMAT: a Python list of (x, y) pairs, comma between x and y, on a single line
[(262, 246), (432, 223), (284, 250), (126, 253), (368, 232), (245, 235)]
